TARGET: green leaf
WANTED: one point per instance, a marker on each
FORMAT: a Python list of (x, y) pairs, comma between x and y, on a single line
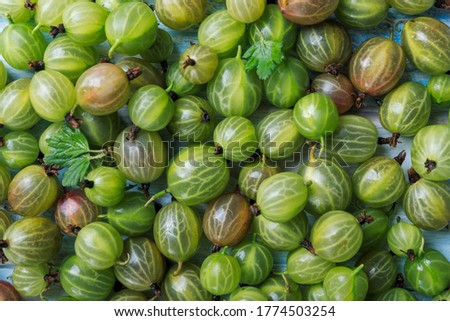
[(76, 170), (70, 150), (66, 143), (264, 56)]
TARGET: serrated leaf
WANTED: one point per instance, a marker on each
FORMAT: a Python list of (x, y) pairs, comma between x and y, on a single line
[(66, 143), (264, 56), (70, 150), (76, 170)]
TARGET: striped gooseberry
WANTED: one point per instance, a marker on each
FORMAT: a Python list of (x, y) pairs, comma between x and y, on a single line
[(336, 236), (198, 64), (377, 66), (140, 272), (236, 95), (273, 26), (222, 33), (98, 245), (380, 267), (405, 237), (307, 12), (23, 45), (361, 13), (177, 231), (68, 57), (220, 273), (247, 293), (17, 113), (427, 203), (83, 283), (33, 190), (130, 28), (305, 267), (246, 11), (379, 181), (180, 14), (17, 10), (184, 286), (282, 197), (235, 136), (140, 155), (255, 260), (345, 284), (151, 108), (405, 110), (432, 160), (74, 210), (84, 23), (353, 132), (31, 241), (324, 47), (281, 288), (281, 236), (430, 265), (208, 172), (128, 295), (419, 40), (411, 7), (315, 116), (193, 119), (277, 135), (227, 219), (293, 76), (18, 149), (329, 186), (130, 217), (52, 95), (102, 89)]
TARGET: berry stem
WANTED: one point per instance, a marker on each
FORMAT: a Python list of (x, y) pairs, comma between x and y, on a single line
[(189, 62), (430, 165), (113, 48), (179, 267), (30, 5), (413, 176), (333, 69), (37, 65), (400, 158), (391, 141), (74, 229), (410, 253), (206, 118), (156, 196), (359, 268), (87, 184), (124, 262), (72, 121), (308, 246), (55, 30), (218, 150), (132, 134), (3, 244), (363, 218), (133, 73)]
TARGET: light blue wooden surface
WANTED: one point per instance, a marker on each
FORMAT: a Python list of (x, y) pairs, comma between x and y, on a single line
[(439, 240)]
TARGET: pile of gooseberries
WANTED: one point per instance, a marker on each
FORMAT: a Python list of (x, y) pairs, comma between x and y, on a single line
[(224, 150)]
